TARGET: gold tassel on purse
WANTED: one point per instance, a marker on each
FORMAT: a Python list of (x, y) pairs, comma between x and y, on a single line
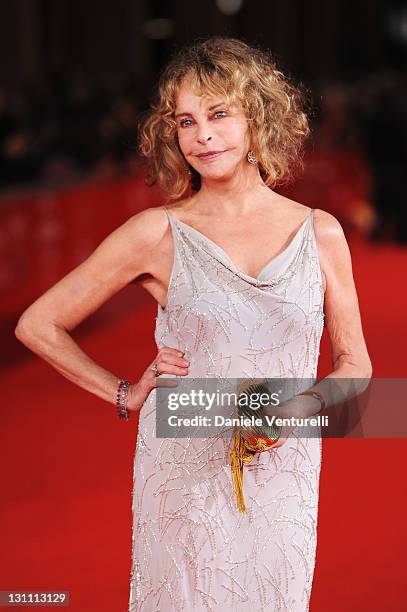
[(246, 444)]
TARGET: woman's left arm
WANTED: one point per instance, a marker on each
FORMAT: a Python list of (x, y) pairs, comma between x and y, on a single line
[(342, 320)]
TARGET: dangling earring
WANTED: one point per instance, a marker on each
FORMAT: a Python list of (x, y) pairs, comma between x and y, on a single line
[(251, 158)]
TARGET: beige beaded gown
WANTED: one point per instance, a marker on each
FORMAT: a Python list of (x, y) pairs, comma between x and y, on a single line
[(192, 548)]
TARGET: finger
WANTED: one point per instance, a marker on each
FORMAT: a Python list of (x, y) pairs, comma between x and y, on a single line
[(168, 350), (171, 358), (169, 368)]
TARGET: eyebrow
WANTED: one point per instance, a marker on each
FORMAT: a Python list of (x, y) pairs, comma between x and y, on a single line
[(210, 108)]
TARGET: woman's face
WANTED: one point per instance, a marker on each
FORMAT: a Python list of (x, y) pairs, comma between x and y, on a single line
[(213, 137)]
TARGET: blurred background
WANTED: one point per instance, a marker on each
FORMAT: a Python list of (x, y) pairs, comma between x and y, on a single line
[(74, 78)]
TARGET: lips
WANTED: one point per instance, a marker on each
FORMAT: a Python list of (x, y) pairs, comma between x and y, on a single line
[(210, 154)]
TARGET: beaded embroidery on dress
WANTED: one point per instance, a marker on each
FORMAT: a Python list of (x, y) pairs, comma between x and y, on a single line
[(191, 548)]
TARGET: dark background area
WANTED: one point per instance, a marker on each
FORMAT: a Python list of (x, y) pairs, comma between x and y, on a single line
[(315, 40)]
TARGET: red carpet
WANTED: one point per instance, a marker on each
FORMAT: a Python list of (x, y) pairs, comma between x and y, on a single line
[(68, 460)]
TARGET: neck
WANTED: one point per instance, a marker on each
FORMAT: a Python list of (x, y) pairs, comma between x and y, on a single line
[(232, 195)]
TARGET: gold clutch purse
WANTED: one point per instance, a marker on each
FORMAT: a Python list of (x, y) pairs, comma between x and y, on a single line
[(249, 440)]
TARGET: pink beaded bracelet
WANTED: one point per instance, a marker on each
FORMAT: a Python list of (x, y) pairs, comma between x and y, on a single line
[(121, 399)]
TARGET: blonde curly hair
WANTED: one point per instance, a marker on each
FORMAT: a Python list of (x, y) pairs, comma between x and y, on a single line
[(274, 107)]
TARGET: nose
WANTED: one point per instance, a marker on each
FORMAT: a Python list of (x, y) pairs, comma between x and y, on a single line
[(204, 139), (203, 133)]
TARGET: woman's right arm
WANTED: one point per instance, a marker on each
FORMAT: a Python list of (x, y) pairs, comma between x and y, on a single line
[(44, 327)]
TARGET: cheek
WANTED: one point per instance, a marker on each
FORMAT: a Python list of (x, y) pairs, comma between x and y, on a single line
[(184, 141), (237, 134)]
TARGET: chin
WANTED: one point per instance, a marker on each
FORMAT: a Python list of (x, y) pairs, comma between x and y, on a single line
[(221, 173), (218, 176)]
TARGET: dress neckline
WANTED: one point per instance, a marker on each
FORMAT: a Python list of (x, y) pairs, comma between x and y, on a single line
[(223, 253)]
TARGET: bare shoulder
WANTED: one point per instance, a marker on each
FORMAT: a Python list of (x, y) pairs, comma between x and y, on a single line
[(135, 242), (329, 233), (148, 226), (333, 249)]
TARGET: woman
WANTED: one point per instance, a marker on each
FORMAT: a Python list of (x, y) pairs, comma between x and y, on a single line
[(242, 276)]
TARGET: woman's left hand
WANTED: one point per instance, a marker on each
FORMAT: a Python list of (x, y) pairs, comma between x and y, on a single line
[(300, 406)]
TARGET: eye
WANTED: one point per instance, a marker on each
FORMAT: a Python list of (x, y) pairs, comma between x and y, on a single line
[(220, 113), (183, 122)]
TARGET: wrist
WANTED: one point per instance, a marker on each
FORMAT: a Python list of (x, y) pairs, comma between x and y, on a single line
[(320, 402), (121, 398)]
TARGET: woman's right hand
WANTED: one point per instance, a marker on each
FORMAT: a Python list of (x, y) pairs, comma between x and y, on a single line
[(169, 361)]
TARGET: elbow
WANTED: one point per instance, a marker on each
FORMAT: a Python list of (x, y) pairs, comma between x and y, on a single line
[(369, 370), (366, 375), (25, 330), (367, 367), (34, 330)]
